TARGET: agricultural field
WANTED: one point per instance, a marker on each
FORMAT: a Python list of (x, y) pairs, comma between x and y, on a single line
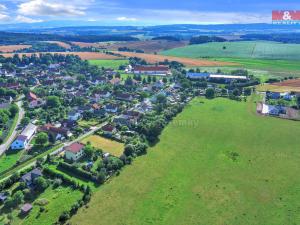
[(12, 48), (82, 55), (60, 43), (55, 201), (112, 147), (243, 49), (152, 58), (113, 64), (148, 46), (277, 88), (208, 169)]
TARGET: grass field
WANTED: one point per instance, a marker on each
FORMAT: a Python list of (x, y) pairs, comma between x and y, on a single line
[(112, 147), (216, 163), (9, 159), (113, 64), (187, 61), (59, 200), (243, 49)]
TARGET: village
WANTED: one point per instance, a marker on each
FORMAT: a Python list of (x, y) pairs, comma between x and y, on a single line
[(79, 124)]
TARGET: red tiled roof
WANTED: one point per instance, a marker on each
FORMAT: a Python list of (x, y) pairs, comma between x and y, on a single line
[(108, 128), (32, 96), (75, 147), (51, 128), (151, 68)]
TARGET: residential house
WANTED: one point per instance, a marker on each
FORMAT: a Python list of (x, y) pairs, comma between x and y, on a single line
[(73, 115), (57, 133), (74, 151), (125, 120), (273, 95), (108, 129), (26, 208), (124, 97), (111, 108), (3, 197), (70, 124), (115, 81), (24, 138), (30, 177), (34, 101)]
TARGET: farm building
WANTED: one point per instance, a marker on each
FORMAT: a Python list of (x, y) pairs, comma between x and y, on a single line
[(197, 75), (152, 70), (23, 139), (227, 78)]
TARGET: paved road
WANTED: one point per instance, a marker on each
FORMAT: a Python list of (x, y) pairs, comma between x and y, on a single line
[(13, 135)]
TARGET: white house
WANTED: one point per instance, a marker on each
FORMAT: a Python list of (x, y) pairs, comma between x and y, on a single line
[(74, 151), (23, 139), (74, 116)]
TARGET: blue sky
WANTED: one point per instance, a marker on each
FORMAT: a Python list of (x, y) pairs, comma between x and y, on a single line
[(140, 12)]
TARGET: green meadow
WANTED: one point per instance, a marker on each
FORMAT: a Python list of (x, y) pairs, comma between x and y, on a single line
[(239, 49), (218, 162), (109, 63)]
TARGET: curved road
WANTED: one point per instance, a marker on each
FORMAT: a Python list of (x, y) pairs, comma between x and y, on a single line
[(13, 135)]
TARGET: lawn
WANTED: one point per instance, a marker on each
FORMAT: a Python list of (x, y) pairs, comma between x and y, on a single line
[(107, 63), (112, 147), (9, 159), (59, 200), (218, 162)]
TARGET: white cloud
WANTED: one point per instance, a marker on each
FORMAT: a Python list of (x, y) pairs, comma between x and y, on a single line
[(24, 19), (202, 17), (2, 7), (4, 17), (128, 19), (49, 8)]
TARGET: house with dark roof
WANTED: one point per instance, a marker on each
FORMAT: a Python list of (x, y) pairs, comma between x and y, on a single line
[(74, 151), (108, 129), (30, 177), (111, 108), (57, 133), (124, 97)]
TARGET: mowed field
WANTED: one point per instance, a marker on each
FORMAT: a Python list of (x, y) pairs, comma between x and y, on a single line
[(82, 55), (113, 64), (216, 163), (242, 49), (11, 48), (112, 147), (152, 58)]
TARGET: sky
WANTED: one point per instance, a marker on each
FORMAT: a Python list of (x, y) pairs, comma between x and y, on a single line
[(143, 12)]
